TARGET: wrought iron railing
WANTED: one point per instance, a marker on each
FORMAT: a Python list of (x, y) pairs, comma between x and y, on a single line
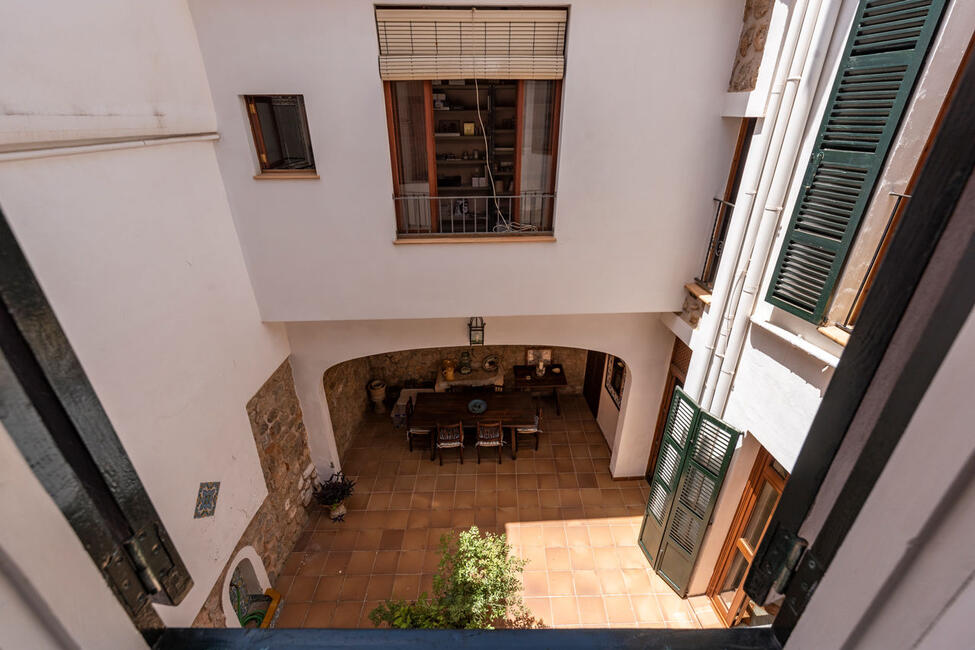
[(475, 214), (719, 230)]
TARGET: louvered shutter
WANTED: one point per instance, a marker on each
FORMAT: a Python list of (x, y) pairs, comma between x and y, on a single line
[(421, 44), (681, 418), (880, 65), (709, 453)]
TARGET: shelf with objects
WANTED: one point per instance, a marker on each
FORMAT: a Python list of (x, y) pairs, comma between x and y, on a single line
[(473, 157), (474, 133)]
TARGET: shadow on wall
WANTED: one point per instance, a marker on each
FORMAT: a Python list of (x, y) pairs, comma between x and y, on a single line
[(348, 399)]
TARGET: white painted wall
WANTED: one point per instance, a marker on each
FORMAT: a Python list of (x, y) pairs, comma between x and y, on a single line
[(137, 254), (99, 69), (46, 552), (608, 415), (643, 150), (640, 339)]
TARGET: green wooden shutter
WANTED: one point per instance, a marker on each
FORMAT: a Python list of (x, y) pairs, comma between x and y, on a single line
[(694, 456), (709, 453), (666, 474), (880, 65)]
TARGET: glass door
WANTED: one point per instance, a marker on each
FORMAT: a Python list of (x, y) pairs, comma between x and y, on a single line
[(755, 509)]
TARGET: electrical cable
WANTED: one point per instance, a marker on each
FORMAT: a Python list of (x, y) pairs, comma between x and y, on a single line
[(504, 225)]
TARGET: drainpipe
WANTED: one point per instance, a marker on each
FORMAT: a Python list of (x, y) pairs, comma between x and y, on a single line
[(739, 219), (775, 198)]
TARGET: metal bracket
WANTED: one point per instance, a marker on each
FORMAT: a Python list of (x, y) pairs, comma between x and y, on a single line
[(774, 569)]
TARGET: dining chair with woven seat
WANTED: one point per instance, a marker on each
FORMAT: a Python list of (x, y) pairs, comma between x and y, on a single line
[(450, 436), (533, 430), (413, 431), (489, 434)]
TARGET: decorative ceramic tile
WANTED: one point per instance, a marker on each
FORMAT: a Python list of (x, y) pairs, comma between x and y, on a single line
[(206, 499)]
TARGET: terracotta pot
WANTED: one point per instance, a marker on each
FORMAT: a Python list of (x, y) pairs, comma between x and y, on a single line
[(337, 511)]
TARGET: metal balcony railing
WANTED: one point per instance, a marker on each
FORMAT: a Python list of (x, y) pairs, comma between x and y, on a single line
[(719, 231), (474, 215)]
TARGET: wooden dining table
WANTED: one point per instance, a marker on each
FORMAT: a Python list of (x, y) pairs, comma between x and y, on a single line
[(513, 409)]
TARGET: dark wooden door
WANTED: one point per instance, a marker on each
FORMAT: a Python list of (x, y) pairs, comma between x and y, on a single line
[(595, 363)]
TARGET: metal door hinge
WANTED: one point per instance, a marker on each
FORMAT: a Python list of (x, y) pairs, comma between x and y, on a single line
[(141, 569), (773, 569)]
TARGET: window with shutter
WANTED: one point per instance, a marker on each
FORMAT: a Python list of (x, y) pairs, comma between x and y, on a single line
[(693, 459), (880, 65), (471, 43)]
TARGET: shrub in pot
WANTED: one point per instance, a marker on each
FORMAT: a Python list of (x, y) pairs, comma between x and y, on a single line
[(333, 492)]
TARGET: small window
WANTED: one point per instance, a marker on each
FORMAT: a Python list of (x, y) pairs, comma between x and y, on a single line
[(615, 373), (280, 130)]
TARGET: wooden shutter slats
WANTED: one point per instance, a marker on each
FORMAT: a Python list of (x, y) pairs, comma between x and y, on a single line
[(882, 59), (416, 44), (692, 463)]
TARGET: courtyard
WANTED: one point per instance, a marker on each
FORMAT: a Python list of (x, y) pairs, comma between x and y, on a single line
[(559, 506)]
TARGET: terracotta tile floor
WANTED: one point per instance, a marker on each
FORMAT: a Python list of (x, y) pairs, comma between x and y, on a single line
[(559, 506)]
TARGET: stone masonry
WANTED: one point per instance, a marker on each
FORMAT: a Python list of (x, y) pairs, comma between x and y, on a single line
[(282, 446), (751, 45)]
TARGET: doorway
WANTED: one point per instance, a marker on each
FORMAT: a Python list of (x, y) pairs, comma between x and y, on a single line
[(593, 384), (758, 501)]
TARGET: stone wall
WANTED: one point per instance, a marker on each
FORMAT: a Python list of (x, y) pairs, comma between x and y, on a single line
[(282, 446), (397, 368), (348, 401), (751, 45), (345, 383)]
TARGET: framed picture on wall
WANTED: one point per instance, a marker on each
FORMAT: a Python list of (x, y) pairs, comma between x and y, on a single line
[(615, 374), (532, 356)]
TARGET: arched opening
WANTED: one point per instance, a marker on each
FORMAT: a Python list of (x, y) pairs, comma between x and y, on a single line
[(245, 603), (408, 372)]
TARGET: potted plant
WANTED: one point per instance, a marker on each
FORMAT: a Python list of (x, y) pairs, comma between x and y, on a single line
[(333, 492)]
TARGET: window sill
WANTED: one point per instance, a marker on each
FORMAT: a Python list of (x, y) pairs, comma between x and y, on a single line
[(835, 334), (699, 292), (287, 176), (797, 342), (480, 239)]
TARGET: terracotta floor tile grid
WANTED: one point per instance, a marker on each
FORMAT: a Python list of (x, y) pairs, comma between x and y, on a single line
[(559, 506)]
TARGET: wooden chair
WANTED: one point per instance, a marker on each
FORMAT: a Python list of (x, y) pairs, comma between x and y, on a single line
[(413, 431), (489, 434), (533, 430), (450, 436)]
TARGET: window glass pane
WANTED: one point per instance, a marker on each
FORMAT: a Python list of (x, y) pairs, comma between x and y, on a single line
[(284, 131), (732, 580), (537, 163), (767, 497), (411, 129)]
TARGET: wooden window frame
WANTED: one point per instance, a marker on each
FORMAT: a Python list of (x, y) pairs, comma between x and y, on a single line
[(762, 472), (257, 132), (614, 394), (735, 173), (395, 154)]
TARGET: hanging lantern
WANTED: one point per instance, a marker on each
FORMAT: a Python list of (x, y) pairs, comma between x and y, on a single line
[(476, 330)]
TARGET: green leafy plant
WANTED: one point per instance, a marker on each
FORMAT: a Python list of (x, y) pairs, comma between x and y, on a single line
[(477, 586), (335, 490)]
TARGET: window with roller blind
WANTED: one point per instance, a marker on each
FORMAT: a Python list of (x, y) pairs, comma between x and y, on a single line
[(473, 98), (882, 60)]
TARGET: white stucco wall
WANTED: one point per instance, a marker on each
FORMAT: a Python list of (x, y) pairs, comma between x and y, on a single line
[(643, 150), (640, 339), (48, 555), (100, 69), (137, 254)]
